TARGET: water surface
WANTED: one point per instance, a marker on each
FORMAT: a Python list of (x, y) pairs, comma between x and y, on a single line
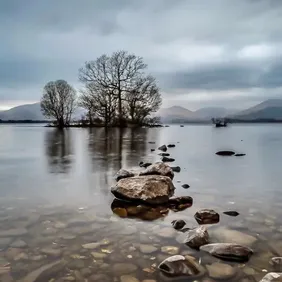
[(55, 189)]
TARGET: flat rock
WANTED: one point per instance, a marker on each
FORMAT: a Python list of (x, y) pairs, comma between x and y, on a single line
[(147, 249), (231, 213), (197, 237), (240, 155), (18, 244), (226, 235), (272, 277), (123, 268), (51, 252), (168, 160), (15, 232), (94, 245), (171, 145), (123, 173), (221, 271), (225, 153), (206, 216), (158, 168), (152, 189), (145, 165), (128, 278), (164, 154), (228, 251), (45, 272), (181, 267), (171, 250)]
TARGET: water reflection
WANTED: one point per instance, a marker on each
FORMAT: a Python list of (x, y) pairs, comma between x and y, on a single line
[(59, 149)]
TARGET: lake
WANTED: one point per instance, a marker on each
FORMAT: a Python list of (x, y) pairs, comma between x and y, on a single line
[(55, 201)]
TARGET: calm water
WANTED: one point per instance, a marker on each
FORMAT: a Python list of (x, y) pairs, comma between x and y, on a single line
[(55, 197)]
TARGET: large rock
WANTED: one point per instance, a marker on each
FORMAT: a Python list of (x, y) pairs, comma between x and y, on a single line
[(272, 277), (181, 267), (206, 216), (197, 237), (228, 251), (158, 168), (123, 173), (151, 189)]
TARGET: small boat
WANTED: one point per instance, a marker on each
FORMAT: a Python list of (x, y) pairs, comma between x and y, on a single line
[(219, 122)]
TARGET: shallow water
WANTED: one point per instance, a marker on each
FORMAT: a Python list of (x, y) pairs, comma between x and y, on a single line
[(55, 197)]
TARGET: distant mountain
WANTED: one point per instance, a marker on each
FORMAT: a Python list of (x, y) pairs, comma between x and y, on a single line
[(23, 112), (269, 109), (175, 113), (213, 112), (31, 112)]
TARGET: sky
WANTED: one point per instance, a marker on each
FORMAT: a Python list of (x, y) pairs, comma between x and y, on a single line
[(203, 53)]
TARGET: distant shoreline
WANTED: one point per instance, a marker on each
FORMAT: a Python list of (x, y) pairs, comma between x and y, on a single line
[(48, 124)]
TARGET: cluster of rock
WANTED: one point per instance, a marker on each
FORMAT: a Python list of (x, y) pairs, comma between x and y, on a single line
[(147, 194)]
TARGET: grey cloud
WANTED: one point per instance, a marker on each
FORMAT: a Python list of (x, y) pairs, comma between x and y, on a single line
[(188, 44)]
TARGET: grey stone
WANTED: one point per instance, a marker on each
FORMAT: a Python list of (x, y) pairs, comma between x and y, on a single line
[(197, 237), (152, 189)]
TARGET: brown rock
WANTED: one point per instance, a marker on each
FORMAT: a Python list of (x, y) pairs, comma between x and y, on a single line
[(120, 212), (206, 216)]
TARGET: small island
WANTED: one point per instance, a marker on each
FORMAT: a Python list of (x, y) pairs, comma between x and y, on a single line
[(116, 92)]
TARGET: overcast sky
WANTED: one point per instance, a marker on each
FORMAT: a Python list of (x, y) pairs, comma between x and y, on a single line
[(203, 53)]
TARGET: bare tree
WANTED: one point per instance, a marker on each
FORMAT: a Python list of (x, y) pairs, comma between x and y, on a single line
[(143, 100), (58, 101), (100, 102), (116, 75)]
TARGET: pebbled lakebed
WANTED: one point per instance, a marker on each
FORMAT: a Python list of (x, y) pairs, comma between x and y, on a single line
[(56, 218)]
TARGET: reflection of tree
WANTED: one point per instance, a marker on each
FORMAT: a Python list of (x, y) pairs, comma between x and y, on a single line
[(58, 150)]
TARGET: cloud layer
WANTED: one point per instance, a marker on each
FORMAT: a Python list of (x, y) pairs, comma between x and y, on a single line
[(202, 52)]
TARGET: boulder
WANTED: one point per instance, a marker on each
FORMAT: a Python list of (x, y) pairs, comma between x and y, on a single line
[(228, 251), (197, 237), (158, 168), (123, 173), (180, 267), (163, 148), (166, 159), (151, 189), (176, 168), (206, 216), (225, 153), (272, 277), (178, 224)]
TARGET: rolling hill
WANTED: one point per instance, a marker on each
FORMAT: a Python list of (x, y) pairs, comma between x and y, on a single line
[(269, 109), (31, 112)]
